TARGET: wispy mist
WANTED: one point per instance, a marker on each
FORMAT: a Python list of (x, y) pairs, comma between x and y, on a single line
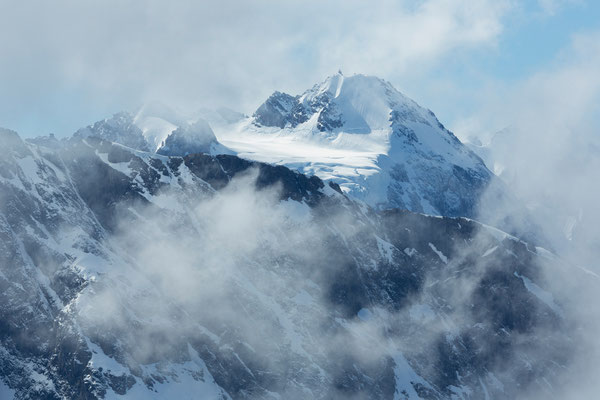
[(549, 156)]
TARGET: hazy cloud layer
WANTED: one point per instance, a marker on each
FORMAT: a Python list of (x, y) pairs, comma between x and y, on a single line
[(70, 62), (550, 153), (255, 270)]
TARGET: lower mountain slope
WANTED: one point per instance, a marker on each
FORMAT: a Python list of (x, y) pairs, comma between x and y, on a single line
[(127, 273)]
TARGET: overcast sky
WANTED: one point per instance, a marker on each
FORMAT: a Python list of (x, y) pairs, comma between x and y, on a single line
[(66, 64)]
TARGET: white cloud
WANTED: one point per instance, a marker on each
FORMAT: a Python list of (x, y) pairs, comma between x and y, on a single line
[(551, 152), (189, 53), (552, 7), (551, 155)]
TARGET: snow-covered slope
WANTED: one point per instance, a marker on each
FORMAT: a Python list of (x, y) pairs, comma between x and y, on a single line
[(127, 273), (360, 132)]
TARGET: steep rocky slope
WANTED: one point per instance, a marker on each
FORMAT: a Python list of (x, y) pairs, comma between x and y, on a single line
[(130, 273)]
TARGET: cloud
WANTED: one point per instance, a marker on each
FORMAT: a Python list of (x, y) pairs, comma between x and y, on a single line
[(561, 95), (550, 158), (240, 273), (551, 151), (116, 54), (552, 7), (243, 276)]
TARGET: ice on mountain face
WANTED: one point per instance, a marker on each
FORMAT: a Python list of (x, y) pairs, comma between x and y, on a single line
[(439, 253), (377, 144)]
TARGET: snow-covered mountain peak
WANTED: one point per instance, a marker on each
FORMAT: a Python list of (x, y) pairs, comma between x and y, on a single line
[(330, 86), (377, 144), (197, 137), (120, 128), (357, 131), (356, 104)]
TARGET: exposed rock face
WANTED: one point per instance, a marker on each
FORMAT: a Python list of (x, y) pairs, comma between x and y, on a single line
[(130, 273), (279, 110)]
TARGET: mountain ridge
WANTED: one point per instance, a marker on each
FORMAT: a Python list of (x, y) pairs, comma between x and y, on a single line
[(85, 256)]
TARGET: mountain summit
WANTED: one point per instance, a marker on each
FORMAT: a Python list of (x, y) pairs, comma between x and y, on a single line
[(376, 143), (359, 132)]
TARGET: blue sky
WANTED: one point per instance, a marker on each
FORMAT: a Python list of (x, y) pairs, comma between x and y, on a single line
[(70, 64), (532, 41)]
